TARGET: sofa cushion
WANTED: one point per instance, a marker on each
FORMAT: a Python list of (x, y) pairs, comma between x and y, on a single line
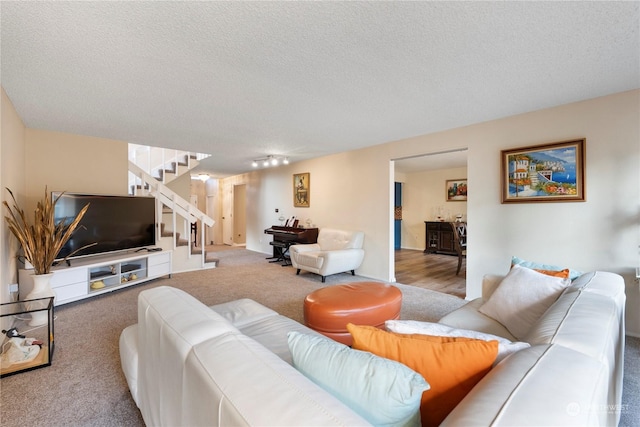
[(581, 330), (232, 380), (384, 392), (522, 298), (538, 386), (262, 324), (243, 312), (505, 346), (272, 333), (468, 317), (451, 365)]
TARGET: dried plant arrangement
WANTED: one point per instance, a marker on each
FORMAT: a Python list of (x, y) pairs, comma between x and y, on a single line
[(42, 240)]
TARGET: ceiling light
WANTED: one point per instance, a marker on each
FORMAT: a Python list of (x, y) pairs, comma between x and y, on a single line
[(203, 177), (270, 160)]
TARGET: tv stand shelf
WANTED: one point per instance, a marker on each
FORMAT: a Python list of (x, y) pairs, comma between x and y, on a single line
[(88, 277), (126, 273)]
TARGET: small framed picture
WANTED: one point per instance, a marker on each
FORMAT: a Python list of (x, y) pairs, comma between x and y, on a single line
[(456, 190), (301, 190), (544, 173)]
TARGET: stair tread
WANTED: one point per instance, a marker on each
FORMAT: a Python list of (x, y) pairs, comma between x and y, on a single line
[(179, 166)]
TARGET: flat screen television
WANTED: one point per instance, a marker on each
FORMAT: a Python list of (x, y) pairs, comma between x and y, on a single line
[(113, 223)]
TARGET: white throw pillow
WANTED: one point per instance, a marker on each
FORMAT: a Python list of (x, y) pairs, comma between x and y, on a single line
[(522, 298), (505, 347)]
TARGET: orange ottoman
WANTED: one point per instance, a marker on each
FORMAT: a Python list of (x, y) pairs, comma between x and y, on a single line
[(328, 310)]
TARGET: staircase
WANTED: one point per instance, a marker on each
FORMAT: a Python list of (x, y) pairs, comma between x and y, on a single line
[(209, 259), (163, 164), (175, 216)]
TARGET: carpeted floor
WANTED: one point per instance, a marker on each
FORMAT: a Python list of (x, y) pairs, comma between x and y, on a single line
[(85, 386), (630, 411)]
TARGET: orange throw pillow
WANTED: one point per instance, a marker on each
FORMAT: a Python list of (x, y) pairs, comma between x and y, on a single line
[(562, 273), (554, 273), (451, 365)]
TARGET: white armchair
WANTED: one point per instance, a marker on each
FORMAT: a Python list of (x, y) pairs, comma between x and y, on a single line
[(336, 251)]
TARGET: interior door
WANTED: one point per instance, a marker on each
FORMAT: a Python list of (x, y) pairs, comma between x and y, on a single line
[(211, 236), (240, 214), (397, 222), (227, 214)]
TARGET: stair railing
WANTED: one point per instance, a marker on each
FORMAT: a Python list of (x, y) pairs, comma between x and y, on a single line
[(178, 205), (163, 160)]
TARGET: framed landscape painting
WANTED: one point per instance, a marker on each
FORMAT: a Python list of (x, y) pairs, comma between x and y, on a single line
[(301, 190), (456, 190), (544, 173)]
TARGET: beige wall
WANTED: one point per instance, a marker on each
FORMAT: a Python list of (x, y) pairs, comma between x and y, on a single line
[(75, 164), (34, 159), (423, 199), (181, 185), (354, 190), (12, 176)]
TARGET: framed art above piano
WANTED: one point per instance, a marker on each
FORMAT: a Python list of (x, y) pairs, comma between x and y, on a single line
[(301, 190)]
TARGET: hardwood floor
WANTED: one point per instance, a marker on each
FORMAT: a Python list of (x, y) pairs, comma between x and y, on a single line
[(430, 271)]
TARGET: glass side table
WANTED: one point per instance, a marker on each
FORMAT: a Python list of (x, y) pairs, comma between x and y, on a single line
[(27, 335)]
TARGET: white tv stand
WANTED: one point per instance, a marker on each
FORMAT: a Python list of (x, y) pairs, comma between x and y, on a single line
[(88, 277)]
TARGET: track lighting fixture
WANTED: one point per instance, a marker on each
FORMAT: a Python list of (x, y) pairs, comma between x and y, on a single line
[(270, 160)]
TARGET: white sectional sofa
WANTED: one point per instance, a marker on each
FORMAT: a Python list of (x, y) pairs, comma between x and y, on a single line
[(189, 364), (571, 374)]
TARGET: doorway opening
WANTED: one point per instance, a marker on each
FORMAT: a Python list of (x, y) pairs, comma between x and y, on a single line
[(234, 214), (422, 180)]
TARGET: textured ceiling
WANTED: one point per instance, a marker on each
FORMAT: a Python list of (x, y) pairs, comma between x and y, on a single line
[(242, 80)]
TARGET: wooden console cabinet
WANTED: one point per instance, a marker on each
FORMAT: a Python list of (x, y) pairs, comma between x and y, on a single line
[(88, 277), (439, 238)]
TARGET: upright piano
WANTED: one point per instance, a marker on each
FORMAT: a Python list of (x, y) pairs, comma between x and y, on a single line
[(283, 237)]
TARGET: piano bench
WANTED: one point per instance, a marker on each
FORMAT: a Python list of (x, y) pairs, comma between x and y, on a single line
[(328, 310), (280, 253)]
